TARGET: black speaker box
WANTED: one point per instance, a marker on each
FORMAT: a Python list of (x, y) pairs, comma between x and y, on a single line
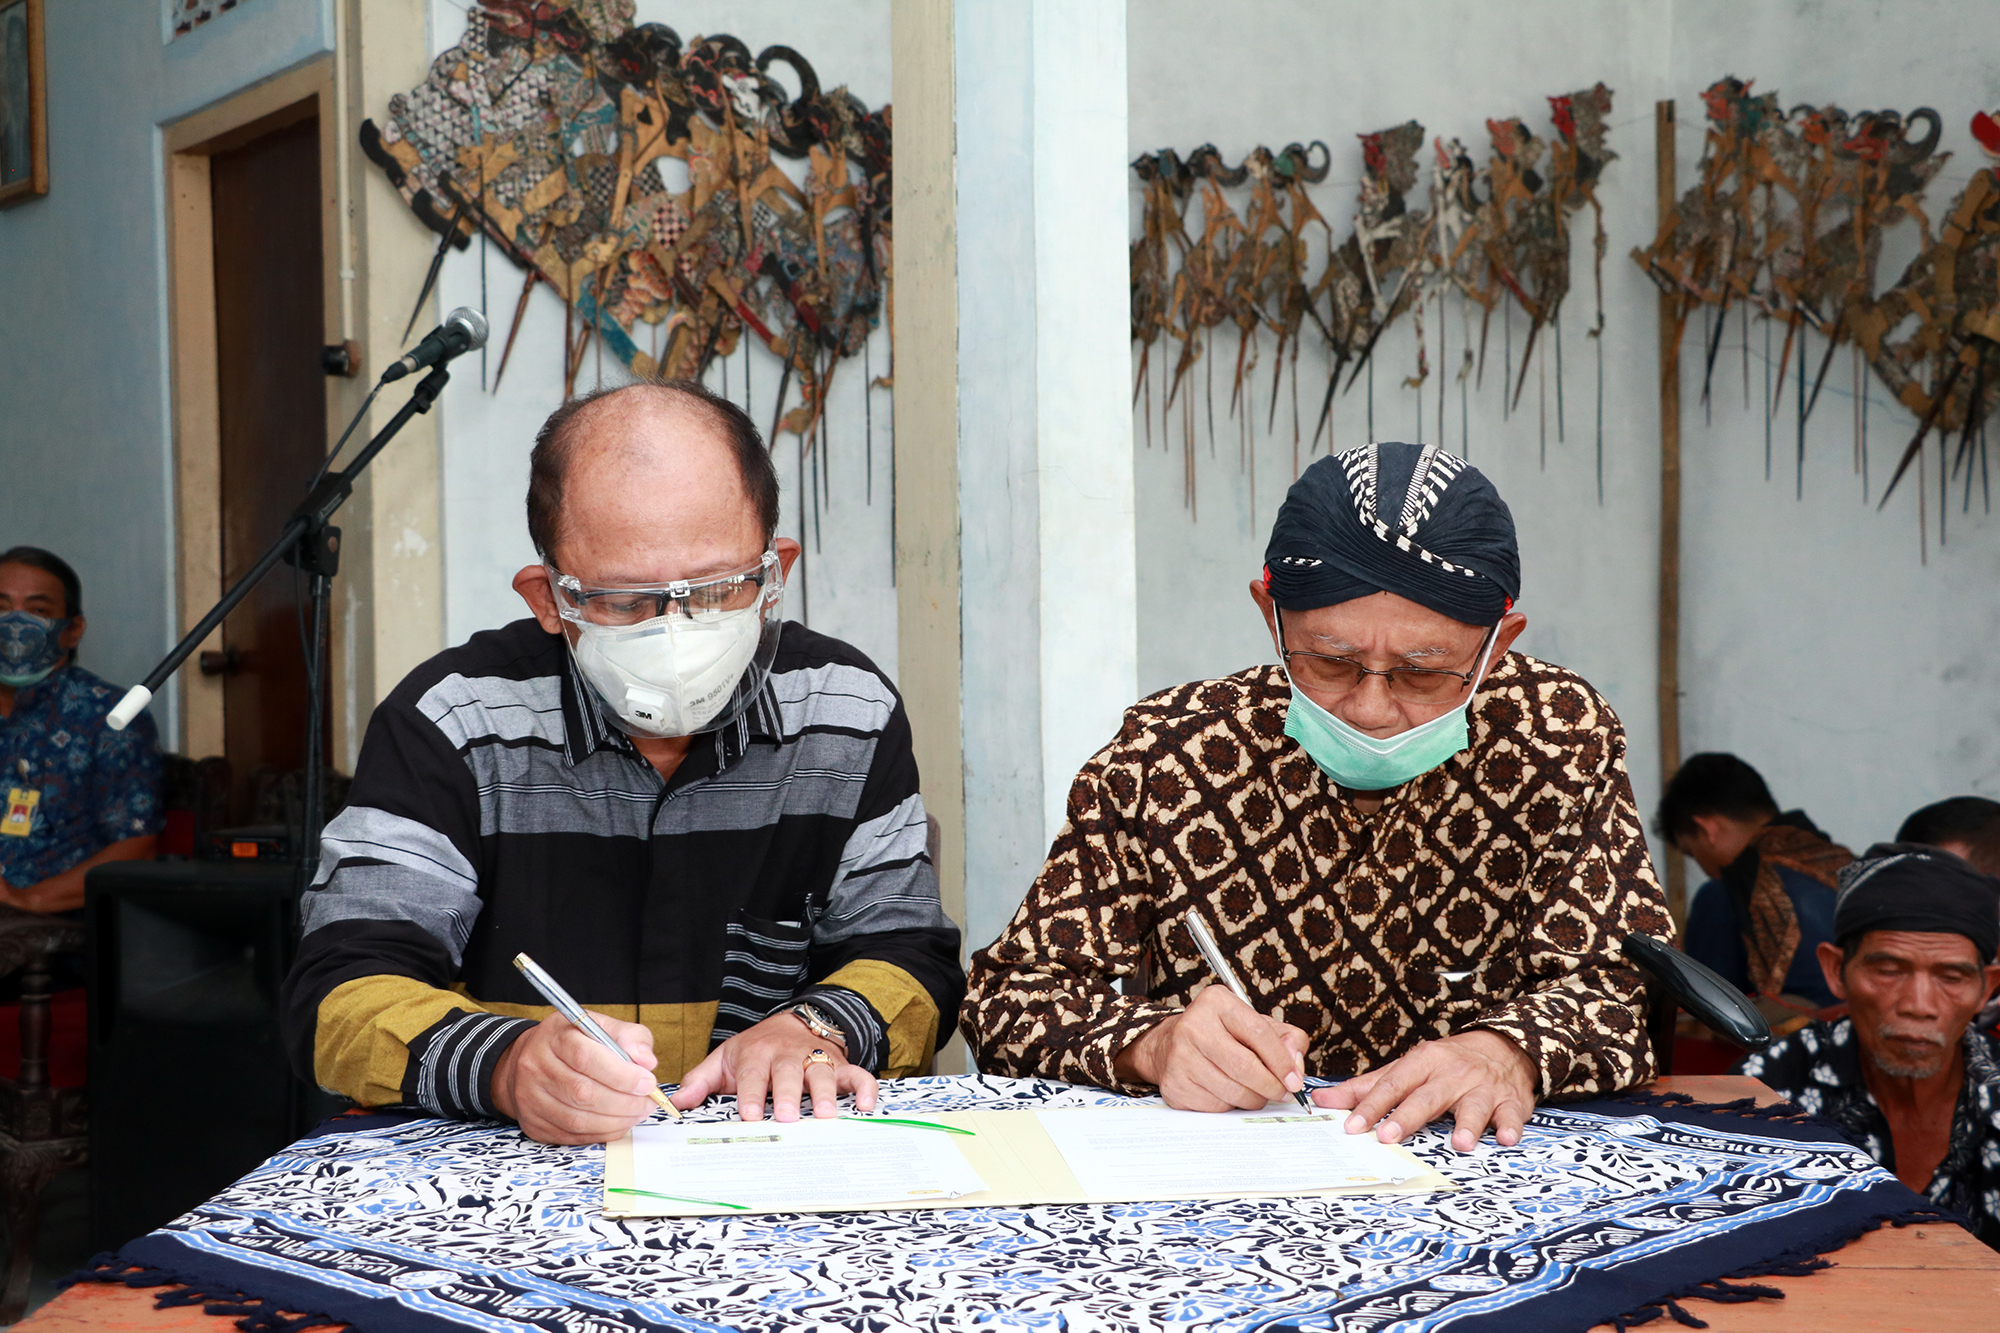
[(189, 1086)]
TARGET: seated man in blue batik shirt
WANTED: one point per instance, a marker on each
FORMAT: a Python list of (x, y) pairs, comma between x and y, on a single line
[(1768, 903), (78, 793), (1904, 1075)]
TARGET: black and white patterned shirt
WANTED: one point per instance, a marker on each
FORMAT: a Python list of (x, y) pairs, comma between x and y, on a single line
[(1819, 1067), (494, 811)]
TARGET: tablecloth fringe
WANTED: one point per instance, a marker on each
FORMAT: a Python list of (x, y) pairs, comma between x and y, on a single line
[(253, 1314), (1729, 1289)]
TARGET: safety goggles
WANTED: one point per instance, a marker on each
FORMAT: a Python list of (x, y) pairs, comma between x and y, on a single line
[(1415, 685), (695, 599)]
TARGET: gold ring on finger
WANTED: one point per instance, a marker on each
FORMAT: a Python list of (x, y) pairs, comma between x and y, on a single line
[(818, 1057)]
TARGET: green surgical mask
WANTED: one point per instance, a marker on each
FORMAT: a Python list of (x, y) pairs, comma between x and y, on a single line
[(1361, 762)]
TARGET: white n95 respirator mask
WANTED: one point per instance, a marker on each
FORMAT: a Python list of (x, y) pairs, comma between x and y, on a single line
[(676, 659)]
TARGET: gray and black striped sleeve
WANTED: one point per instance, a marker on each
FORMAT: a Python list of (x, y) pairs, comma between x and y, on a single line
[(452, 1062)]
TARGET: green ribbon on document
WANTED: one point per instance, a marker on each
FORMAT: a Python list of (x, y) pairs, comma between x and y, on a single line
[(914, 1124), (677, 1198)]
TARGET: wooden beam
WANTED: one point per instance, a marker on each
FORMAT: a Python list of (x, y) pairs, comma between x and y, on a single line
[(923, 333), (1670, 509)]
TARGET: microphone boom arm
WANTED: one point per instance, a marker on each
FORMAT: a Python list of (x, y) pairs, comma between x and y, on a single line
[(310, 542)]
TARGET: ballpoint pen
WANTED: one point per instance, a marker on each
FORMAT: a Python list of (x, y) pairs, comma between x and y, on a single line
[(1218, 964), (583, 1022)]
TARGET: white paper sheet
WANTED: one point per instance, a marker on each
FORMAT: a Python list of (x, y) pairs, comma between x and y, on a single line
[(1153, 1152), (806, 1164)]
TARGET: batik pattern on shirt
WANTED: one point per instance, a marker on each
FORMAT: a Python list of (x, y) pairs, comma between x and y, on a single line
[(1490, 892), (1757, 888), (95, 786), (1819, 1067)]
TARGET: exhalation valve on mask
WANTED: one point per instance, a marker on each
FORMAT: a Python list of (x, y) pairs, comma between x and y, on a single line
[(646, 706)]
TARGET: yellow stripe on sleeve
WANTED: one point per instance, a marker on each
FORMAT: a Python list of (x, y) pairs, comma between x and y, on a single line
[(904, 1005)]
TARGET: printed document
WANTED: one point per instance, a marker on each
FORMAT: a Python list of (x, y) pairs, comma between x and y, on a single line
[(1154, 1152), (807, 1164)]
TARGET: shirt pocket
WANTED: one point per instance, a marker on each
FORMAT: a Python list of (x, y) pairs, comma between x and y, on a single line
[(763, 964), (1452, 995)]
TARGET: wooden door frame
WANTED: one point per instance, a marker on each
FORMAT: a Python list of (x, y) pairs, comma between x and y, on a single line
[(188, 144)]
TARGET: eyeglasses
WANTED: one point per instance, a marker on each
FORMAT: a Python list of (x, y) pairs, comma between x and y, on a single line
[(696, 599), (1416, 685)]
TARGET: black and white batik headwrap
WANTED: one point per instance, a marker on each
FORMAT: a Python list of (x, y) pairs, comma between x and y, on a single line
[(1450, 545)]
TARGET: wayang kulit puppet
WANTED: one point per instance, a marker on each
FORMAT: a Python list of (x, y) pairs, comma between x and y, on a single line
[(545, 129), (1788, 220), (1494, 235)]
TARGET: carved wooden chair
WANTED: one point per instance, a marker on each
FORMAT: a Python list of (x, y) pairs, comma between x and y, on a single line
[(41, 1127)]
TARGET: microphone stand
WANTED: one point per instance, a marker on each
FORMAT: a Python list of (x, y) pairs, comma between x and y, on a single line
[(311, 543)]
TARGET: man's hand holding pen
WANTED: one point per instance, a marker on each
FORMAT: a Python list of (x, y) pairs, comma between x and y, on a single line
[(561, 1086), (1218, 1054)]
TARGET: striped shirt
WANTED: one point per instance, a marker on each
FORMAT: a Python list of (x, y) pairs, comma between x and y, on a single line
[(494, 811)]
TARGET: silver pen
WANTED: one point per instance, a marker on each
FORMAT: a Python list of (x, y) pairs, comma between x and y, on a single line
[(1212, 954), (583, 1022)]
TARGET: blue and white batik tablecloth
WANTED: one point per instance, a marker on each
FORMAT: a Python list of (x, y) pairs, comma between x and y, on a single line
[(407, 1225)]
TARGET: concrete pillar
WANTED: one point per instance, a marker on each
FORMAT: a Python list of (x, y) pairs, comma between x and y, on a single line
[(1083, 371), (1015, 568), (1047, 590), (924, 313)]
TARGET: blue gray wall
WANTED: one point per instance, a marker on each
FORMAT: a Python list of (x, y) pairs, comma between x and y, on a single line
[(85, 420)]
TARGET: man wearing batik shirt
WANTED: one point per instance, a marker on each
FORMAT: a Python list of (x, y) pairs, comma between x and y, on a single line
[(1768, 904), (79, 795), (1418, 849), (1904, 1075)]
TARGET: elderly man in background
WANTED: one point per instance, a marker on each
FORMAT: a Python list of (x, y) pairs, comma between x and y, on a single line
[(703, 820), (1768, 904), (1903, 1075), (1418, 849), (78, 793)]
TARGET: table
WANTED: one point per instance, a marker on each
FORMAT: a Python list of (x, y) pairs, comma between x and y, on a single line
[(1919, 1278)]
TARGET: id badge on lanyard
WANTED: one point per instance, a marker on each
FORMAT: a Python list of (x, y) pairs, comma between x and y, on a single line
[(19, 821)]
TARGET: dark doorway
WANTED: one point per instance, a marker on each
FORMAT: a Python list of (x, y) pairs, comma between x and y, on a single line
[(269, 324)]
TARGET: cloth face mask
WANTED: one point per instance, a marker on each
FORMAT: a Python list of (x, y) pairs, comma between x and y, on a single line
[(668, 676), (1361, 762), (30, 647)]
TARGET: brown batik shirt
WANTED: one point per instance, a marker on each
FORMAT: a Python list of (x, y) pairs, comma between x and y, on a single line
[(1490, 892)]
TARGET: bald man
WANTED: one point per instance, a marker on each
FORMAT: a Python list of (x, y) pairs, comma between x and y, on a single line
[(701, 819)]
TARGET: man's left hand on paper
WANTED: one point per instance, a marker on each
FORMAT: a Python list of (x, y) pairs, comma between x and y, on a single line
[(1479, 1078), (769, 1060)]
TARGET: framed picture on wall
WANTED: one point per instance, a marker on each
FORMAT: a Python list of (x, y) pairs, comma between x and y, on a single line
[(24, 131)]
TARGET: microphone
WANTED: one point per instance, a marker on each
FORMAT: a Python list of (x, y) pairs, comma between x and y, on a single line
[(463, 330)]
